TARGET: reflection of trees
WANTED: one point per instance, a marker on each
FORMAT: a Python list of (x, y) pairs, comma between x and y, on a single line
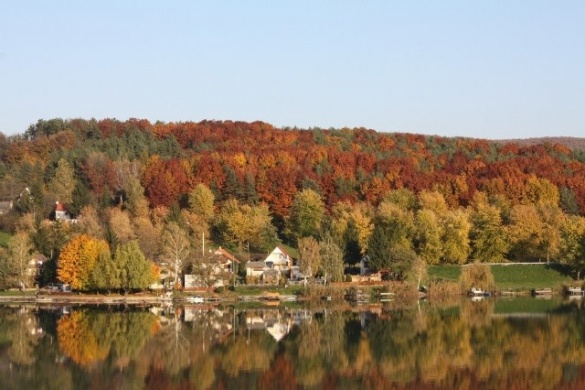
[(417, 347), (24, 334), (477, 313), (77, 340), (88, 337)]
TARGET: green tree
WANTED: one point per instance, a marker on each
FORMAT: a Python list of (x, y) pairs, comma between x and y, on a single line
[(136, 202), (568, 201), (105, 275), (306, 215), (63, 183), (135, 272), (380, 247)]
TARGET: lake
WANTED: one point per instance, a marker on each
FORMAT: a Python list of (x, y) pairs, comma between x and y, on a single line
[(522, 343)]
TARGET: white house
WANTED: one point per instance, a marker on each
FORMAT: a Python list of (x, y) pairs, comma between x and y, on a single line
[(277, 263), (61, 214), (279, 260)]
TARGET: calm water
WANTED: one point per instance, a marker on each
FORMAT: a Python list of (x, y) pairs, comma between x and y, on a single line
[(495, 344)]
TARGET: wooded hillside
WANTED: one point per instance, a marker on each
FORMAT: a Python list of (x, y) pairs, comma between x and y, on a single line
[(257, 162), (337, 195)]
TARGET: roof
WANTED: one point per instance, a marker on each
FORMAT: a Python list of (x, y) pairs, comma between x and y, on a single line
[(284, 252), (255, 264), (226, 254)]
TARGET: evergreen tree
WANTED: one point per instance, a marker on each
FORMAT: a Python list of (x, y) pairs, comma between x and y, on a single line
[(134, 271)]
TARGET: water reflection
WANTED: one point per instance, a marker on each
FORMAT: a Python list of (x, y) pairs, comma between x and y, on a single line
[(521, 343)]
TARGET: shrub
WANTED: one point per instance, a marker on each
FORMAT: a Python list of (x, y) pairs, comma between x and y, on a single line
[(477, 275)]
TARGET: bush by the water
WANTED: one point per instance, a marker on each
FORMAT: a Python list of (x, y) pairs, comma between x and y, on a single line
[(477, 275)]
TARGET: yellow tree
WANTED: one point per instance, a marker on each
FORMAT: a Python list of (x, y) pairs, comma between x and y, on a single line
[(456, 246), (77, 259), (309, 257), (434, 201), (16, 263), (526, 233), (242, 223)]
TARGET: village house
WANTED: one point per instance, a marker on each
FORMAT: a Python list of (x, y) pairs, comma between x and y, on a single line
[(270, 270), (62, 214), (214, 271)]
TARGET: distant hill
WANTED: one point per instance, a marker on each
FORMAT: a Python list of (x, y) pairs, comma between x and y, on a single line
[(255, 162), (572, 143)]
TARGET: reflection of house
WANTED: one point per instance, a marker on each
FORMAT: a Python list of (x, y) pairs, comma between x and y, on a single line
[(276, 264), (275, 322), (214, 271)]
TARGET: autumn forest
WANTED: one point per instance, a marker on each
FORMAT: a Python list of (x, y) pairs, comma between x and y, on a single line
[(397, 198)]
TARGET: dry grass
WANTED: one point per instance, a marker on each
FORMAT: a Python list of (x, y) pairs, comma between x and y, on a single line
[(477, 275), (442, 289)]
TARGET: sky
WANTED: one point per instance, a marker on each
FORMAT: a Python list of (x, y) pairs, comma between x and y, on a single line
[(483, 69)]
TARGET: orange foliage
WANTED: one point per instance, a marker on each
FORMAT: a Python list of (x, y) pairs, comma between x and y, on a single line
[(77, 341)]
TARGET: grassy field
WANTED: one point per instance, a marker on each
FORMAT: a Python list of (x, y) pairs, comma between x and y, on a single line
[(516, 276), (513, 276), (444, 272), (4, 238)]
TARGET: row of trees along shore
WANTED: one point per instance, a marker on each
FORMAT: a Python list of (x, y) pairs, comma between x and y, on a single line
[(144, 194)]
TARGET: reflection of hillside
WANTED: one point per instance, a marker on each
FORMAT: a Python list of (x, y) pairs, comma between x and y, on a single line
[(416, 347)]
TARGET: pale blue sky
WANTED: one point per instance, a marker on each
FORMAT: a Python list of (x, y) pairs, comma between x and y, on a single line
[(485, 69)]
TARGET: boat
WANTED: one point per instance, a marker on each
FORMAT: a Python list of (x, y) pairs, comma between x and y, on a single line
[(478, 292), (575, 291), (195, 299)]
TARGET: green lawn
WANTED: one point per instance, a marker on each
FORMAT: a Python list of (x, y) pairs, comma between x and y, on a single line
[(513, 276), (444, 272), (516, 276), (254, 290), (4, 238)]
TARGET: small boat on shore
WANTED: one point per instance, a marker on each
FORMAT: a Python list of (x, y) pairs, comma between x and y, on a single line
[(576, 291), (478, 292)]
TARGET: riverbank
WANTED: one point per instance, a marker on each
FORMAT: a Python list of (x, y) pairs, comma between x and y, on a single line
[(510, 279)]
